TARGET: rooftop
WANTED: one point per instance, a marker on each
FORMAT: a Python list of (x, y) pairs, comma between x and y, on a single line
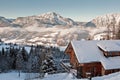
[(88, 51)]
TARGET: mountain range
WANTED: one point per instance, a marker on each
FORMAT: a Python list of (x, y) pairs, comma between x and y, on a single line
[(51, 19), (51, 28), (44, 20)]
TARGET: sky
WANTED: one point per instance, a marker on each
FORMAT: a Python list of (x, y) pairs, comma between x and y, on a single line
[(78, 10)]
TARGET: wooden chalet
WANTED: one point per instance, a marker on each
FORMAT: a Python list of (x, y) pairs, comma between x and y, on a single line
[(94, 58)]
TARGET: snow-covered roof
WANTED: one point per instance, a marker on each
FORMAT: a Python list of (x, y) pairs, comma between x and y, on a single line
[(111, 62), (88, 51), (109, 45)]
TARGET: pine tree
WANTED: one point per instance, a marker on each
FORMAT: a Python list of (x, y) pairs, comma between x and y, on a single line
[(25, 54), (33, 63), (34, 60), (0, 53), (0, 40), (31, 51), (3, 51), (48, 65), (19, 62)]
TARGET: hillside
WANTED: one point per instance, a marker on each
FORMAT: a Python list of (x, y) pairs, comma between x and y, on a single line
[(4, 22), (53, 29), (43, 36)]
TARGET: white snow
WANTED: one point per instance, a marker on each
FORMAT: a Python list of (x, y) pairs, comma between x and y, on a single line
[(69, 76), (41, 35), (100, 36), (27, 48), (59, 76), (109, 45), (111, 62), (12, 76), (88, 51), (7, 46), (113, 76), (4, 46)]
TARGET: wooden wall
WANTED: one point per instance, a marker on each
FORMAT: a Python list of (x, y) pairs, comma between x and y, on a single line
[(106, 72), (94, 68), (73, 60)]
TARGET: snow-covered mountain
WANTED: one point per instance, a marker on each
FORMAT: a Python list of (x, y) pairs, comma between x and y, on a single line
[(44, 20), (4, 22), (106, 20), (45, 29), (51, 28), (102, 24)]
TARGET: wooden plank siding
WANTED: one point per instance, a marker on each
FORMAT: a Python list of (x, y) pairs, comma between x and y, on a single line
[(106, 72), (73, 60), (94, 68)]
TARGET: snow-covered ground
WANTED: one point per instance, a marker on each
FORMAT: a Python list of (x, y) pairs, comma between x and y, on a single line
[(59, 76), (8, 46), (12, 76), (52, 36)]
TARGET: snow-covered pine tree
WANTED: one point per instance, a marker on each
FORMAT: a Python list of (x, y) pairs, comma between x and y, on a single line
[(48, 65), (24, 54), (13, 53), (19, 62), (33, 61)]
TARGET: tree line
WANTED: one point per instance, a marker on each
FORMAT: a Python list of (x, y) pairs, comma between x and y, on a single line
[(39, 59)]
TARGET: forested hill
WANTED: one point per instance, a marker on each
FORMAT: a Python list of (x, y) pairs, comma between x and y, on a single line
[(29, 58)]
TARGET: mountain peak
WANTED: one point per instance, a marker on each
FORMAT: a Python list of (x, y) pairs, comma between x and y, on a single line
[(50, 15), (46, 20)]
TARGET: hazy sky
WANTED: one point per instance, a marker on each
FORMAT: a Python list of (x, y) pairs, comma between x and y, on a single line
[(78, 10)]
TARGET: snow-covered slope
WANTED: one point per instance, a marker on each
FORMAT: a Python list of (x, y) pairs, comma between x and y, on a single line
[(44, 20), (107, 20), (45, 29), (51, 28), (44, 36), (102, 24), (60, 76), (4, 22), (66, 76)]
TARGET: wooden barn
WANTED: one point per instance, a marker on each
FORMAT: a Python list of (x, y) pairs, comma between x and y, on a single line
[(94, 58)]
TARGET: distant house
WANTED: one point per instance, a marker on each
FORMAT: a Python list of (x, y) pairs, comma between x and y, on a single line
[(94, 58)]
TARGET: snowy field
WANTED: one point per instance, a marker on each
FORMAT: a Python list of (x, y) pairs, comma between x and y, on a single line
[(12, 76), (60, 76)]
